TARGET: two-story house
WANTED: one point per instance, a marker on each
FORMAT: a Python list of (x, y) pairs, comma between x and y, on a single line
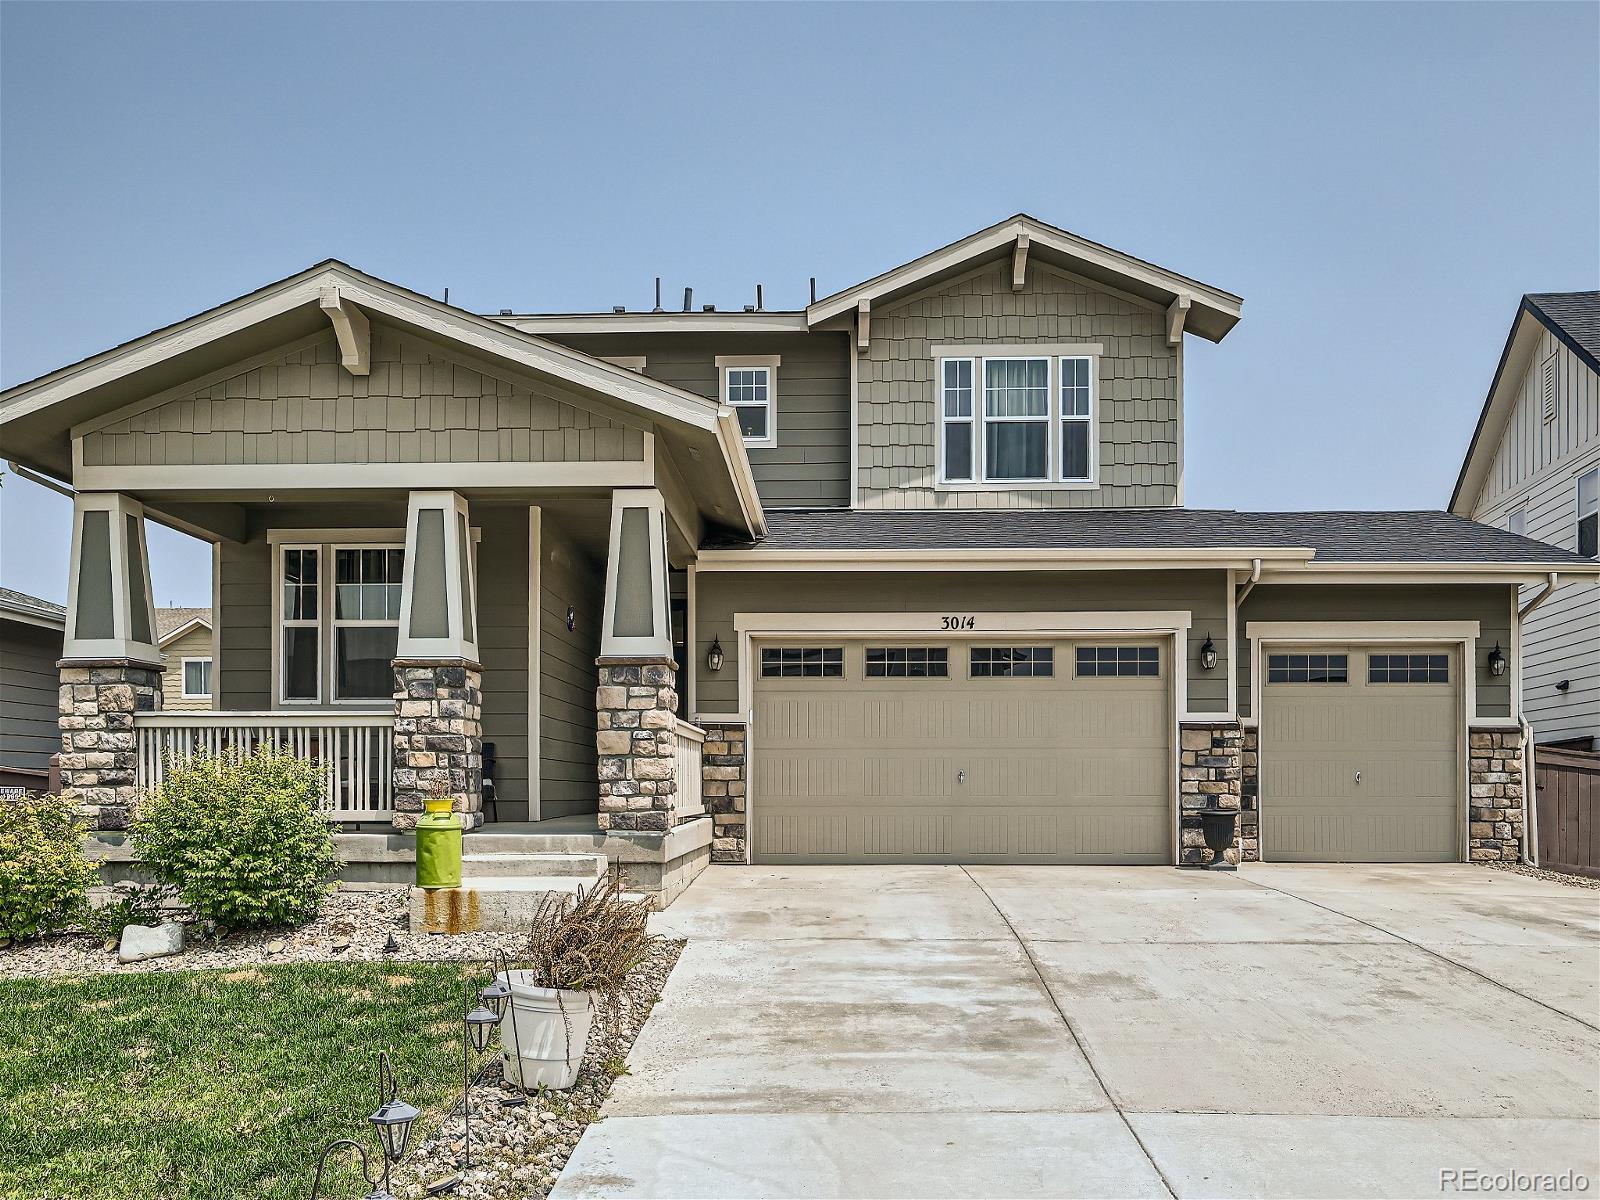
[(904, 576), (1533, 468)]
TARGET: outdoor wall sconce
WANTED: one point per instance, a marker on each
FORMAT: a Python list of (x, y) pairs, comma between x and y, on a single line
[(572, 618), (714, 655), (1563, 685), (1208, 654), (1497, 661), (392, 1124)]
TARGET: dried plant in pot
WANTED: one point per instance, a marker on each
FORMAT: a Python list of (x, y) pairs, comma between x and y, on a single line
[(580, 952)]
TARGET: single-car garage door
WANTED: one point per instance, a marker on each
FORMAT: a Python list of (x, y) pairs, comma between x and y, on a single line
[(1359, 754), (1028, 750)]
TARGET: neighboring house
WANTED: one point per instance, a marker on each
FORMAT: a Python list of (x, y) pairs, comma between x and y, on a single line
[(184, 637), (1534, 468), (912, 559), (30, 646)]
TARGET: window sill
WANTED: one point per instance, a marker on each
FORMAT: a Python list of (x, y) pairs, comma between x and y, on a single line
[(1043, 485)]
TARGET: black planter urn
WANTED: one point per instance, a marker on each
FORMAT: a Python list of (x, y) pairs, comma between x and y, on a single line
[(1217, 824)]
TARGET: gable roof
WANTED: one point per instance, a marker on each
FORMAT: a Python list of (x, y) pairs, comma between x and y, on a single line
[(1212, 313), (37, 417), (1574, 319), (173, 623), (30, 610)]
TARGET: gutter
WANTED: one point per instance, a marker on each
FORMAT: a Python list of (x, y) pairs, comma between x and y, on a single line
[(33, 476), (1249, 586), (1551, 584)]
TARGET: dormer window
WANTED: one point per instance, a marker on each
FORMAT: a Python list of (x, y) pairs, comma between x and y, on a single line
[(998, 406), (750, 388)]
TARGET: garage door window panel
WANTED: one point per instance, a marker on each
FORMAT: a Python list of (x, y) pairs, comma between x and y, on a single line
[(1012, 662), (1111, 662), (1408, 668), (802, 662), (1308, 668), (907, 662)]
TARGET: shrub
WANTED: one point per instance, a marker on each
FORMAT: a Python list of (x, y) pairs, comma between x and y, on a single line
[(588, 942), (133, 904), (44, 876), (241, 837)]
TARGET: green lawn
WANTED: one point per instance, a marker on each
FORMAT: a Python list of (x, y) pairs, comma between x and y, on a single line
[(211, 1084)]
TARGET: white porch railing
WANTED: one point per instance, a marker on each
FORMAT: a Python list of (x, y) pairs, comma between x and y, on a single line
[(358, 749), (688, 801)]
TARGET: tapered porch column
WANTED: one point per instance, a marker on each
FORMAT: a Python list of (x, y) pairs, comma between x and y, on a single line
[(438, 729), (110, 665), (636, 701)]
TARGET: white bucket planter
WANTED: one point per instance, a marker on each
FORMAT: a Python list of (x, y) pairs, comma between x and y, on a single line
[(544, 1033)]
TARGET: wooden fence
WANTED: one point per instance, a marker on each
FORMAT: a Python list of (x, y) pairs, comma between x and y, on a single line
[(1567, 787)]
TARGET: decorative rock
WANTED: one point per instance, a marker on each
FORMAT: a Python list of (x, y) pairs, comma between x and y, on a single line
[(276, 946), (140, 942)]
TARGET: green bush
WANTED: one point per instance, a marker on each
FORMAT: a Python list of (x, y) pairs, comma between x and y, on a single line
[(241, 837), (44, 876), (132, 904)]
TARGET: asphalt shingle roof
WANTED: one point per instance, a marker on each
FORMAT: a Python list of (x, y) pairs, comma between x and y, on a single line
[(168, 619), (1398, 537), (20, 602), (1577, 314)]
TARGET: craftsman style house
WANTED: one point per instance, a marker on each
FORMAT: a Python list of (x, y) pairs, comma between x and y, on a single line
[(904, 576), (1534, 468)]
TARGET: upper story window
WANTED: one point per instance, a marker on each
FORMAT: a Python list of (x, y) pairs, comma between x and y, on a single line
[(750, 387), (1517, 521), (997, 410), (1589, 514)]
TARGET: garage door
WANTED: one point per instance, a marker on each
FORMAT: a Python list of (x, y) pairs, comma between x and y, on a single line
[(1025, 751), (1359, 754)]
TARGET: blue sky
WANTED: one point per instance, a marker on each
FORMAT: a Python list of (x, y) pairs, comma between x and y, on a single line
[(1380, 183)]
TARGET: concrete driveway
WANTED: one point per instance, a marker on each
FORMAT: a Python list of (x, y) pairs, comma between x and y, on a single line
[(1081, 1031)]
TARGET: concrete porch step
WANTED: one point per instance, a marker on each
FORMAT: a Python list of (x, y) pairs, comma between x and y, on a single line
[(516, 863), (479, 842)]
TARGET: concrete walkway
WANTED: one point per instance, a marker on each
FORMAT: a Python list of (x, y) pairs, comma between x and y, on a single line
[(1061, 1031)]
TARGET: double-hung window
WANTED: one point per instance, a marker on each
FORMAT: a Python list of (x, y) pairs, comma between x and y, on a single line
[(1016, 418), (750, 388), (1589, 514), (337, 637), (197, 679)]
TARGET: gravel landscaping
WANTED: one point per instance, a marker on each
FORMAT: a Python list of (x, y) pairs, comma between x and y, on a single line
[(1577, 881), (520, 1141), (351, 926)]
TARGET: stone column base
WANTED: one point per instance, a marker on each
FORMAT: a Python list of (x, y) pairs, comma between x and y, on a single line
[(1495, 794), (438, 738), (1209, 774), (722, 774), (1250, 799), (636, 712), (99, 754)]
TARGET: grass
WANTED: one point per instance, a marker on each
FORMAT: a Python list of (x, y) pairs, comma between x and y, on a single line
[(202, 1084)]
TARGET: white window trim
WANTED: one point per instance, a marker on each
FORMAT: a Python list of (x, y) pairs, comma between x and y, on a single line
[(183, 677), (1577, 507), (1053, 420), (336, 623), (745, 362)]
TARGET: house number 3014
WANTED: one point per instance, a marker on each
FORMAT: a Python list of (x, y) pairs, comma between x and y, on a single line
[(954, 622)]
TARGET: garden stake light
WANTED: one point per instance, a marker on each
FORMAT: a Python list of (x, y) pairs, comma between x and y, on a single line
[(477, 1028), (392, 1126)]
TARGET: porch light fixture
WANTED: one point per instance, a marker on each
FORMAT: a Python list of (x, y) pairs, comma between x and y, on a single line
[(1208, 654), (1497, 661), (714, 655)]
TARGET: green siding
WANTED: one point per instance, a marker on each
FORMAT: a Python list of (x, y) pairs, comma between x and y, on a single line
[(1140, 450), (1488, 604), (567, 677), (503, 648), (720, 596), (28, 695), (244, 678), (810, 465), (416, 406)]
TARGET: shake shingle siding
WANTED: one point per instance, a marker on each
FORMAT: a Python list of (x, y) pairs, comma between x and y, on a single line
[(1137, 404), (416, 406)]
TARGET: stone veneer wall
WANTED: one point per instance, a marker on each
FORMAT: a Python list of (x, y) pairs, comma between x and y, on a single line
[(723, 786), (99, 755), (1209, 773), (636, 712), (1495, 794), (1250, 798), (438, 738)]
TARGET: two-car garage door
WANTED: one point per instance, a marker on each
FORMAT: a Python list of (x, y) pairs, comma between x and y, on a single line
[(1034, 750)]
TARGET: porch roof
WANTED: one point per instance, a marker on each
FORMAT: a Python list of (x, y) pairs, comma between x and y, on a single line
[(38, 417)]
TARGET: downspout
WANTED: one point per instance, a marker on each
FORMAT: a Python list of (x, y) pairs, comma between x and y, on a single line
[(1530, 803), (1249, 586), (42, 480)]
